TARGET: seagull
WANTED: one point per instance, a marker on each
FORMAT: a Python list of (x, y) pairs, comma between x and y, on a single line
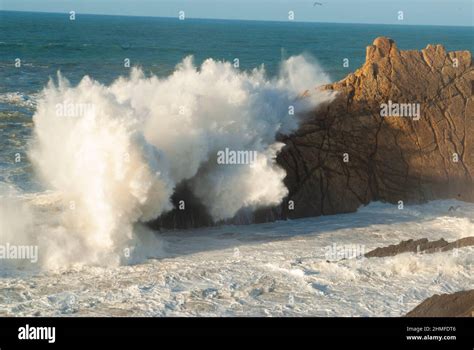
[(317, 3)]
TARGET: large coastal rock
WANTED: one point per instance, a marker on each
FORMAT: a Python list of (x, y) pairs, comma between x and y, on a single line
[(459, 304), (347, 153), (390, 158)]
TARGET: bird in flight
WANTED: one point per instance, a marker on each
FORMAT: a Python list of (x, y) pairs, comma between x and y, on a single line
[(317, 4)]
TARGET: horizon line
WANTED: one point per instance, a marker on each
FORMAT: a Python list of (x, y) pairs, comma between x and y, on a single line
[(236, 19)]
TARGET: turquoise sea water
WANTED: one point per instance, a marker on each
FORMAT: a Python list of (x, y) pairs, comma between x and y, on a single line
[(97, 46)]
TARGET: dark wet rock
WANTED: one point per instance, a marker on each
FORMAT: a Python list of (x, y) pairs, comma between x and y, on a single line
[(463, 242), (410, 245), (194, 214), (420, 246)]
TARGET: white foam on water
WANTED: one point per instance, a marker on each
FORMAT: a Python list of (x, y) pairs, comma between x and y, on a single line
[(19, 99), (273, 269)]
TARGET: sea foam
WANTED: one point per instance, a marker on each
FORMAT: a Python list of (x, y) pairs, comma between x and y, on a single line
[(117, 164)]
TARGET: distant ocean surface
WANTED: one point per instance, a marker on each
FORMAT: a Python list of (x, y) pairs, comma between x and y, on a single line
[(97, 45)]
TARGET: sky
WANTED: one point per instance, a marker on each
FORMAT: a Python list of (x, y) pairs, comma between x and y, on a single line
[(425, 12)]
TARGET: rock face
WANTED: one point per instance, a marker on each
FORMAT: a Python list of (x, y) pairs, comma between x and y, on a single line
[(347, 154), (460, 304)]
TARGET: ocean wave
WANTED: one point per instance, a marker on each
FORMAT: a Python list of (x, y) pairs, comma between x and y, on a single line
[(117, 163)]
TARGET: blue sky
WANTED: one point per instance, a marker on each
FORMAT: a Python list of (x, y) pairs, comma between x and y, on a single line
[(436, 12)]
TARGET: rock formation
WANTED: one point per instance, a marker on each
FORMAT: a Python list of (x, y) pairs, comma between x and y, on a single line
[(460, 304), (388, 158), (347, 153), (422, 245)]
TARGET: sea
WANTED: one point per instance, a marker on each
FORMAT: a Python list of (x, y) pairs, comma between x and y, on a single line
[(98, 45), (76, 186)]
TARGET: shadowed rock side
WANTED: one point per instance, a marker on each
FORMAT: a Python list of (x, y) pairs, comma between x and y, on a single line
[(460, 304), (389, 158)]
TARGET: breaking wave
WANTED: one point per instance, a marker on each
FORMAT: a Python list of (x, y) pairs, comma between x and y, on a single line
[(113, 155)]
